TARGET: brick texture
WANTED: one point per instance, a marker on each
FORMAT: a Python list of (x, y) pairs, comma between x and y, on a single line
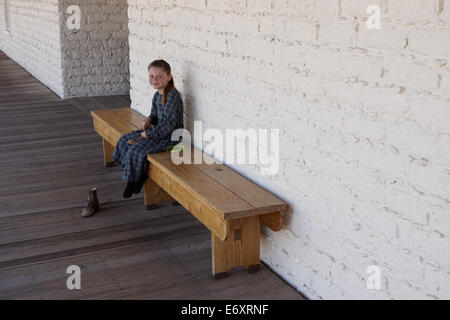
[(34, 40), (95, 57), (364, 119), (89, 61)]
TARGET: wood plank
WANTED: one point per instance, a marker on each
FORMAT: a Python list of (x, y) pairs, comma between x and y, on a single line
[(53, 223), (273, 220), (110, 134), (154, 194), (187, 197), (255, 195), (108, 150), (71, 244), (205, 189), (130, 115), (241, 248), (260, 200), (232, 180), (114, 120)]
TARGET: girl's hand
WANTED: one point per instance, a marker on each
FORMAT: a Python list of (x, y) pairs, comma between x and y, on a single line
[(131, 142), (145, 124), (143, 135)]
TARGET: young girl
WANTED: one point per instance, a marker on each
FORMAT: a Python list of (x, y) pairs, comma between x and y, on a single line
[(155, 133)]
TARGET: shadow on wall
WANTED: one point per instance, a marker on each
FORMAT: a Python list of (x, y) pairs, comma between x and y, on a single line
[(187, 97), (190, 115)]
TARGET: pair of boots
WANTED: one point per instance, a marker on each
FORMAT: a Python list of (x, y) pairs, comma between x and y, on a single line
[(92, 205)]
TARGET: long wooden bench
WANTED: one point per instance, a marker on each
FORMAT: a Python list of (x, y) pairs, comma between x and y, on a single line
[(229, 205)]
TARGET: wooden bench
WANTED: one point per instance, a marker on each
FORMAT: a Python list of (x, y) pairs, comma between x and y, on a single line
[(229, 205)]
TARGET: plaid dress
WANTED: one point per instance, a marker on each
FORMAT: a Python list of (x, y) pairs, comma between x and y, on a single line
[(165, 119)]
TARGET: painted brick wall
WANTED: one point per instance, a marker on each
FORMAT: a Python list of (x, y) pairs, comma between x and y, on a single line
[(95, 57), (364, 117), (90, 61), (34, 40)]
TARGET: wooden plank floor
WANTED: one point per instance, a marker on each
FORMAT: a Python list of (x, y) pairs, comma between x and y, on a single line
[(50, 157)]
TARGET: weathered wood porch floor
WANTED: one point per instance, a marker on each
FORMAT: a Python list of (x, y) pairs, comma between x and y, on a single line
[(50, 157)]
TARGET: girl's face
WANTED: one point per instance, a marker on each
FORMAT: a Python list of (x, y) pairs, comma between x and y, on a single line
[(157, 78)]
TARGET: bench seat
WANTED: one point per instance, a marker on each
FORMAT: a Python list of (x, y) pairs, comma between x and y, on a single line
[(228, 204)]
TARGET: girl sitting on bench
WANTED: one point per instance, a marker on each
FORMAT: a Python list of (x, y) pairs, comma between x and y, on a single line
[(155, 133)]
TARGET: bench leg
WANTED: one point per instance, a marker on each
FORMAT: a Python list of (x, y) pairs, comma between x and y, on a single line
[(241, 248), (154, 194), (108, 150)]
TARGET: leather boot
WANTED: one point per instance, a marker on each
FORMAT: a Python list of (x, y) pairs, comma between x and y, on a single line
[(139, 184), (128, 192), (92, 205)]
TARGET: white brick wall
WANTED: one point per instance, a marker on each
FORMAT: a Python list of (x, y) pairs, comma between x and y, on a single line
[(34, 40), (364, 118), (91, 61)]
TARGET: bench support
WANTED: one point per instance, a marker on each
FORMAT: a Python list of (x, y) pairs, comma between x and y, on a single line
[(154, 194), (204, 191), (108, 150), (240, 248)]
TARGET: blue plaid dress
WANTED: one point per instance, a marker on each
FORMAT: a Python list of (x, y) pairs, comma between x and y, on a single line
[(165, 119)]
